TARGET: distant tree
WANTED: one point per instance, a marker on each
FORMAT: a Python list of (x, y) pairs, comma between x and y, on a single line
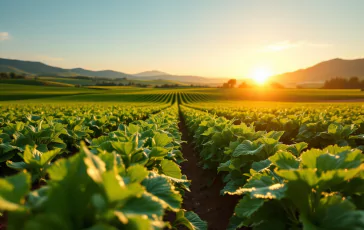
[(353, 83), (342, 83), (244, 85), (4, 76), (232, 83), (12, 75)]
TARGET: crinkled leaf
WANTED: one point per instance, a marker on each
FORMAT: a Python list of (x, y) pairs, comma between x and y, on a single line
[(164, 191), (284, 160), (247, 206), (170, 168), (247, 148)]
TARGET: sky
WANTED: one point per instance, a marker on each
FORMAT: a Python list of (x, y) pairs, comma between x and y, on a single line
[(205, 37)]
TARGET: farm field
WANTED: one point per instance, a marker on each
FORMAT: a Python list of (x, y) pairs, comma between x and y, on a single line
[(72, 81), (196, 158)]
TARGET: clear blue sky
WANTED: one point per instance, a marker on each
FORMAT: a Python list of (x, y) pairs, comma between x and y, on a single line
[(209, 38)]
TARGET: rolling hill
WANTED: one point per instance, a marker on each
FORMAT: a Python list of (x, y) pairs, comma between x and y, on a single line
[(315, 74), (38, 68), (101, 73), (151, 73), (30, 67), (41, 69), (324, 71)]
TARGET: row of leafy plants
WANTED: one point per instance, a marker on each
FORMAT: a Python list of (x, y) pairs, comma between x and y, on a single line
[(282, 186), (61, 128), (129, 178), (317, 126)]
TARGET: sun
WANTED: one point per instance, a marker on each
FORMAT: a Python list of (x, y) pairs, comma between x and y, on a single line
[(260, 75)]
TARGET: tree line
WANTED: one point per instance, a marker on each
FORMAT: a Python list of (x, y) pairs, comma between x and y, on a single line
[(11, 76), (344, 83), (232, 82)]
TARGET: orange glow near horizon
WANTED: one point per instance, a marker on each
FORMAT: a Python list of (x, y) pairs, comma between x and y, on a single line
[(261, 75)]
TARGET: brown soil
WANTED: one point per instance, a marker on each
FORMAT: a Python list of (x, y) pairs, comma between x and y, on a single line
[(3, 222), (204, 198)]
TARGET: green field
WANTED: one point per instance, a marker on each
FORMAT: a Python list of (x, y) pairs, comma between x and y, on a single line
[(73, 81), (183, 158), (18, 91)]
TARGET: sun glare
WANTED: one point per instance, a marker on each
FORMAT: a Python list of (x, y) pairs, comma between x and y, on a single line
[(261, 75)]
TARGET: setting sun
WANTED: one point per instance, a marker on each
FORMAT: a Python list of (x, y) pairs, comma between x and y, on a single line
[(261, 75)]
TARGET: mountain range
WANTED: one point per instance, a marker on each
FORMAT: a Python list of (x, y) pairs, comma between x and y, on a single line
[(324, 71), (41, 69), (317, 73)]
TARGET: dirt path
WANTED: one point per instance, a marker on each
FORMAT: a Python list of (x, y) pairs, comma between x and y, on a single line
[(3, 221), (203, 199)]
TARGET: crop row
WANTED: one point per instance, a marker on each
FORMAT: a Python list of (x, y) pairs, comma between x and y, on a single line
[(59, 127), (319, 127), (194, 97), (281, 186), (126, 179)]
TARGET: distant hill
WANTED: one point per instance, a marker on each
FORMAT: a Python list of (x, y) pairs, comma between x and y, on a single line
[(324, 71), (9, 69), (30, 67), (101, 73), (38, 68), (151, 73), (158, 75), (41, 69)]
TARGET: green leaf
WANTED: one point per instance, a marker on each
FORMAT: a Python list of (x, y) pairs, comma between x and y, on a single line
[(263, 186), (139, 223), (170, 168), (161, 139), (190, 220), (17, 165), (343, 160), (297, 148), (334, 212), (284, 160), (13, 190), (164, 191), (32, 157), (95, 166), (47, 157), (309, 158), (135, 174), (144, 205), (158, 152), (124, 148), (309, 176), (261, 165), (247, 206), (247, 148), (133, 128), (276, 135), (115, 188)]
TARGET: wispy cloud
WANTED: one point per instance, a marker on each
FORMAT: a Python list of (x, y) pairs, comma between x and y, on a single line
[(287, 44), (48, 58), (4, 36)]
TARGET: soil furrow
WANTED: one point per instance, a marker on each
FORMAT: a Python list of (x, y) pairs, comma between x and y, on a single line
[(204, 198)]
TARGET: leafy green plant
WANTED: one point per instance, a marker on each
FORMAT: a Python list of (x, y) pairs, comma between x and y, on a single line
[(35, 161), (318, 190)]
